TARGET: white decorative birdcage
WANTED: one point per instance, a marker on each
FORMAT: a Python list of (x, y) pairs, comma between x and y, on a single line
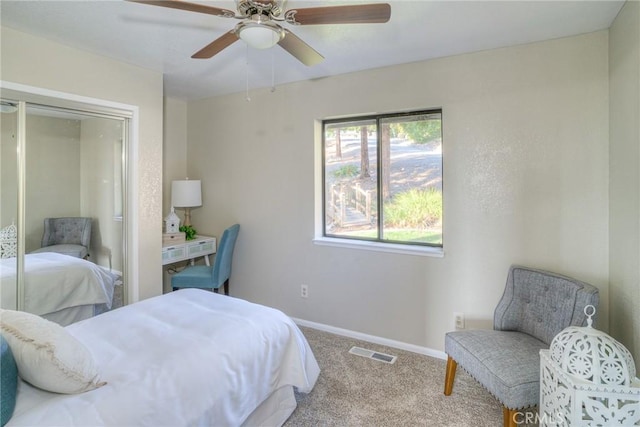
[(587, 378), (9, 241), (172, 222)]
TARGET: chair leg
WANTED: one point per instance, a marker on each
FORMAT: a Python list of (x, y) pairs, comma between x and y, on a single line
[(449, 376), (509, 416), (215, 290), (226, 287)]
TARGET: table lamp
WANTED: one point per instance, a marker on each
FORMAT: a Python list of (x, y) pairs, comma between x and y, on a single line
[(186, 194)]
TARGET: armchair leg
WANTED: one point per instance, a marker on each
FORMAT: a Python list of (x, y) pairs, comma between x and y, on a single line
[(509, 416), (226, 287), (449, 376)]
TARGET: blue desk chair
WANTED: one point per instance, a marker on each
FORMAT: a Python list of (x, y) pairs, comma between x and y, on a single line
[(205, 277)]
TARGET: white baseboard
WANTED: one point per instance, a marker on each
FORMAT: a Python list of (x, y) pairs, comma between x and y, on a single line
[(372, 339)]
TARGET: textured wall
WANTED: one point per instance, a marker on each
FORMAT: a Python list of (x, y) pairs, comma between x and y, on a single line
[(624, 261), (525, 181), (174, 156)]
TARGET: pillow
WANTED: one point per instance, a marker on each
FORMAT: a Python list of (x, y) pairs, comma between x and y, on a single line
[(8, 382), (47, 356)]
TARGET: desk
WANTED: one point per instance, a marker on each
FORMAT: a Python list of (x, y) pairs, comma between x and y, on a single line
[(201, 246)]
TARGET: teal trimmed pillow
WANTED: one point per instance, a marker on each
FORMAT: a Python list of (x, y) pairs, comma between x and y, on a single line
[(8, 382)]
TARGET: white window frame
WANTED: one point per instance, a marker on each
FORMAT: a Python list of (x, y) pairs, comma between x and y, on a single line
[(321, 240)]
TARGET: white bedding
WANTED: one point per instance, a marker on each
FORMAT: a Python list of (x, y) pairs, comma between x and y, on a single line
[(188, 358), (54, 282)]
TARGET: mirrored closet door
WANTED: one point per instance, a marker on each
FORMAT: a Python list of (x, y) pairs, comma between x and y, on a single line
[(63, 192), (8, 204)]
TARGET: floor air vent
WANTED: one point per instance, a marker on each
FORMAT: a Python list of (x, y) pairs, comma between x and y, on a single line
[(382, 357)]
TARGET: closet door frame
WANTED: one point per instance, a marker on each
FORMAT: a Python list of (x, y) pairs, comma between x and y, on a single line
[(23, 95)]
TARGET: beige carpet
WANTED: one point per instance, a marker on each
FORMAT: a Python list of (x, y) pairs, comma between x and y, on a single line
[(356, 391)]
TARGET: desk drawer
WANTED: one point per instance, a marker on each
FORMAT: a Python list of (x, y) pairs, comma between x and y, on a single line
[(203, 247), (173, 253)]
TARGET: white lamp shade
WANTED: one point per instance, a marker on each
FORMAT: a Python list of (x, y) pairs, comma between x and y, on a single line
[(186, 193)]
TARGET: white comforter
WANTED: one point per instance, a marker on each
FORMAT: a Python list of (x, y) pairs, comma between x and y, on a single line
[(54, 282), (186, 358)]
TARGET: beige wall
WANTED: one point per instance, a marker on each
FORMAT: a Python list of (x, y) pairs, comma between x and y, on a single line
[(52, 173), (52, 164), (624, 57), (174, 156), (175, 147), (101, 148), (34, 61), (525, 181), (8, 169)]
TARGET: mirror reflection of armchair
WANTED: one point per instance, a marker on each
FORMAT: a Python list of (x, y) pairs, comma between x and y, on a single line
[(67, 236)]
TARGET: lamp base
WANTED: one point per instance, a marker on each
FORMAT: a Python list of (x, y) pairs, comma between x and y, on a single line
[(187, 216)]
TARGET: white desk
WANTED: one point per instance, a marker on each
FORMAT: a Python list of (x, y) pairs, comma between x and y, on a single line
[(201, 246)]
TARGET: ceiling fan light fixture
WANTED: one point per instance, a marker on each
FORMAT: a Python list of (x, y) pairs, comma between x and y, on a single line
[(260, 35)]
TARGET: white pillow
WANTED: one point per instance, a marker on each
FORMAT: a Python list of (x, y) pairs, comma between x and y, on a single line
[(48, 356)]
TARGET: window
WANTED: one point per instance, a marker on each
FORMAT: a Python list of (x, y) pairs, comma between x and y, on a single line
[(382, 178)]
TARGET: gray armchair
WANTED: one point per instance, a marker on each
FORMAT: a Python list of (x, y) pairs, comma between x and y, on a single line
[(68, 236), (535, 307)]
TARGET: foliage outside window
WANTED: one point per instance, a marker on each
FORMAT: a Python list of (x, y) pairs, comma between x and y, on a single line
[(383, 178)]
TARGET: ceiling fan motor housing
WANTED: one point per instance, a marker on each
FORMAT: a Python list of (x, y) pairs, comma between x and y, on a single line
[(270, 8)]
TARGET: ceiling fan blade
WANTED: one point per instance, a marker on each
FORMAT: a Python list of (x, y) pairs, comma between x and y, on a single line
[(354, 14), (191, 7), (222, 42), (299, 49)]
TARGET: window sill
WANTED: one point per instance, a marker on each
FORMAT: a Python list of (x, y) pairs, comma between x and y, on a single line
[(380, 247)]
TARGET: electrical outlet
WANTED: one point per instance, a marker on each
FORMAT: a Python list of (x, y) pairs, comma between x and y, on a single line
[(458, 320), (304, 291)]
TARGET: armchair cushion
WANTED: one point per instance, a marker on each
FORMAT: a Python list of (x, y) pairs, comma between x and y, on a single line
[(505, 363)]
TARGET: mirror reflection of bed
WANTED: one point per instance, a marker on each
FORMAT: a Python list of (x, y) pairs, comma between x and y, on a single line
[(59, 287)]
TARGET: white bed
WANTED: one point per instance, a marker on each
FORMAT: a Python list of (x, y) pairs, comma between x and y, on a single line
[(187, 358), (58, 287)]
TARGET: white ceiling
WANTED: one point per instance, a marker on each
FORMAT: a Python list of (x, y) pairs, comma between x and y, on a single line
[(164, 39)]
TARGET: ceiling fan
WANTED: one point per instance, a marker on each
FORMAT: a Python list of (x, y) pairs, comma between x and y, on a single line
[(260, 26)]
